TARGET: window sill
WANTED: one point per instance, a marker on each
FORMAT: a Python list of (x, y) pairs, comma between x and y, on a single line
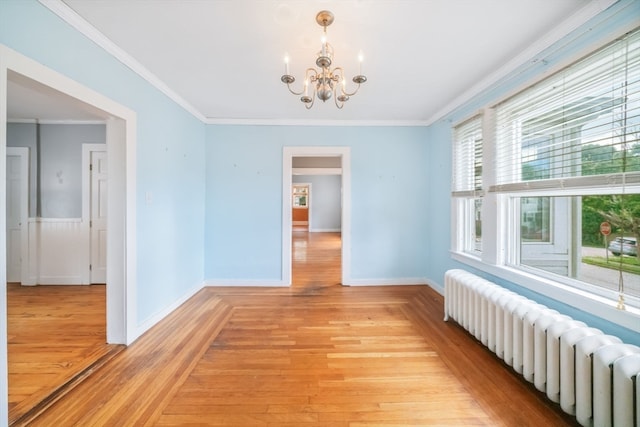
[(581, 300)]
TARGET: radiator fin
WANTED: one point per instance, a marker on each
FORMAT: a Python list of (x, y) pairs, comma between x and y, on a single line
[(592, 375)]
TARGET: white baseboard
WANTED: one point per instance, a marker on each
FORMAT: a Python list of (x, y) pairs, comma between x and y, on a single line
[(245, 283), (325, 230), (436, 287), (158, 316), (59, 280), (388, 282)]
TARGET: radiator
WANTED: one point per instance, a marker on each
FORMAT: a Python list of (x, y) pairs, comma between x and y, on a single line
[(592, 375)]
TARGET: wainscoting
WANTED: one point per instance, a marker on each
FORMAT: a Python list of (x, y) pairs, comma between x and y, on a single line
[(58, 252)]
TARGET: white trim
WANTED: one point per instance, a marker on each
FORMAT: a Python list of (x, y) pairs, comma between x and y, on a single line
[(57, 122), (288, 153), (307, 122), (24, 154), (527, 56), (54, 220), (121, 147), (316, 171), (4, 375), (325, 230), (87, 149), (412, 281), (81, 25), (159, 315), (582, 300), (246, 283)]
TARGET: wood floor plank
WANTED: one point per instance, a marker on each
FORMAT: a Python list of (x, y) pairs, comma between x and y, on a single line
[(54, 334), (315, 354)]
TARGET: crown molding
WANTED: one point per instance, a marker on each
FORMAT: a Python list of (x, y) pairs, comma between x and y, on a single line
[(528, 55), (307, 122), (72, 18), (57, 122)]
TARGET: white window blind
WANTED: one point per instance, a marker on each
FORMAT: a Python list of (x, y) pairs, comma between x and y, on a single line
[(467, 158), (577, 128)]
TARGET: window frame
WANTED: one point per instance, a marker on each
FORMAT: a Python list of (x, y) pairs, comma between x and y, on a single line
[(467, 184), (499, 222)]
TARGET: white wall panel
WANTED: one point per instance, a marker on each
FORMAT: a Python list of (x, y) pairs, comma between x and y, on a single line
[(57, 252)]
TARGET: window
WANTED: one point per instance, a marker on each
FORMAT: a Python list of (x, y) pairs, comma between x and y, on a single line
[(568, 159), (467, 182), (565, 157), (300, 196)]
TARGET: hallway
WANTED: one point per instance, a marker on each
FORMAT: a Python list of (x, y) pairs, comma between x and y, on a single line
[(316, 259)]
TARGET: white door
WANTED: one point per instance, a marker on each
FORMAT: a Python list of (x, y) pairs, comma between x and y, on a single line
[(17, 211), (98, 217)]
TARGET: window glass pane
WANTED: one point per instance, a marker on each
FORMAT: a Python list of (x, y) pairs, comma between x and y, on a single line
[(562, 126), (473, 225), (535, 219), (467, 156), (476, 238), (560, 236)]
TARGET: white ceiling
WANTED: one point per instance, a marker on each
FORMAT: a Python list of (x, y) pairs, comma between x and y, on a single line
[(223, 59)]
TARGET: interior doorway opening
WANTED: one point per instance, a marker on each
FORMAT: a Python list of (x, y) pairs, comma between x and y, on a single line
[(315, 249), (40, 89)]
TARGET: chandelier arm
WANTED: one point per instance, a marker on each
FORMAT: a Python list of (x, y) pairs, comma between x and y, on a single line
[(351, 93), (293, 92), (340, 72)]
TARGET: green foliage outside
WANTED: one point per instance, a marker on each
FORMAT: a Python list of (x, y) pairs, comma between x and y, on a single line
[(624, 263), (621, 211)]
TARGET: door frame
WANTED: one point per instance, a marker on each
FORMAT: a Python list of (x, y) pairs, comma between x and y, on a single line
[(87, 149), (121, 124), (288, 153), (23, 153), (308, 185)]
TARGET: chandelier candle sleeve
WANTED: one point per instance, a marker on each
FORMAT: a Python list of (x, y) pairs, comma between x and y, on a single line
[(324, 82)]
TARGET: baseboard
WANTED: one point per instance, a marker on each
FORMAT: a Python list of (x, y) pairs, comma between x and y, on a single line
[(436, 287), (388, 282), (158, 316), (325, 230), (59, 280), (245, 283)]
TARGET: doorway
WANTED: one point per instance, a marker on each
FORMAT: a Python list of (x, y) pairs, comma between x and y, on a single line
[(300, 214), (42, 83), (17, 212), (301, 246)]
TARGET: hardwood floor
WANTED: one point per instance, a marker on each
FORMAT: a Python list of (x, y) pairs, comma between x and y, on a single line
[(314, 354), (54, 335)]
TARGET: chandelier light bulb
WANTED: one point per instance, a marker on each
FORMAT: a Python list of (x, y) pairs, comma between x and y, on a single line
[(325, 82)]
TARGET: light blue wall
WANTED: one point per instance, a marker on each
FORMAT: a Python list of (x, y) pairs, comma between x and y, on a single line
[(26, 135), (439, 157), (60, 153), (325, 204), (244, 199), (170, 151), (400, 176)]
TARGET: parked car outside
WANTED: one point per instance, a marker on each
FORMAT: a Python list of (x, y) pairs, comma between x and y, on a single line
[(624, 245)]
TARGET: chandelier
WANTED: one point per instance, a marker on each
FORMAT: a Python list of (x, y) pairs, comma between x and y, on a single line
[(324, 82)]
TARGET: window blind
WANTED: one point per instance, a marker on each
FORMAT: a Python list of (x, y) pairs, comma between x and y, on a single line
[(467, 158), (577, 128)]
